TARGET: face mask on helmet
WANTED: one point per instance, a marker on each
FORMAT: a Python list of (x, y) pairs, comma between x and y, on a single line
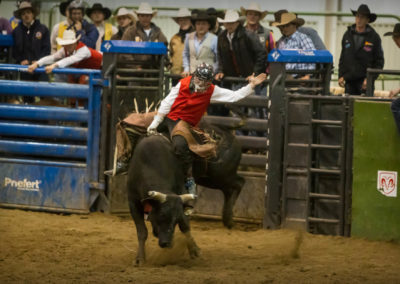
[(200, 85)]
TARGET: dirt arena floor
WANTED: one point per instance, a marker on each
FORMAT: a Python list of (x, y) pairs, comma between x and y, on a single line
[(39, 247)]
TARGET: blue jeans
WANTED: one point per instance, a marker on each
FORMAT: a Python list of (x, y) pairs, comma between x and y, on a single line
[(396, 113)]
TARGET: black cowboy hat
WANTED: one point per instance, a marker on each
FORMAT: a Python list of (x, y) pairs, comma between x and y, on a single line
[(364, 10), (63, 7), (202, 15), (396, 31), (213, 12), (99, 7)]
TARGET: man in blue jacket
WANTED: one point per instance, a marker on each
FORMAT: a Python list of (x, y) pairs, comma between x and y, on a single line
[(31, 41), (88, 32)]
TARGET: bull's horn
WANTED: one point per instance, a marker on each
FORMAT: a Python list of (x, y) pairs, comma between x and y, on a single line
[(160, 197), (187, 197)]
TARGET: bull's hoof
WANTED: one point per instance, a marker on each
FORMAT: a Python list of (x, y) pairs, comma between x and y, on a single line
[(194, 251), (228, 223), (138, 262)]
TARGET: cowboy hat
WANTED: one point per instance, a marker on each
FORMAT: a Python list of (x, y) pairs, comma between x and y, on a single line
[(202, 15), (146, 9), (125, 12), (396, 31), (63, 7), (288, 18), (24, 5), (182, 13), (231, 16), (213, 12), (364, 10), (99, 7), (69, 37), (254, 7)]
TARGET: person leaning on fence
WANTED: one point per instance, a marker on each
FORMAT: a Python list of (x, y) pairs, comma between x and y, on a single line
[(99, 14), (361, 49), (59, 28), (293, 39), (393, 93), (73, 53), (183, 108), (308, 31), (254, 15), (125, 18), (31, 41), (177, 42), (87, 32), (200, 45)]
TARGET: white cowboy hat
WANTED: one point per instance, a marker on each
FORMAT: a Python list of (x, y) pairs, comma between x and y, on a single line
[(287, 18), (256, 8), (231, 16), (145, 8), (125, 12), (182, 13), (69, 37)]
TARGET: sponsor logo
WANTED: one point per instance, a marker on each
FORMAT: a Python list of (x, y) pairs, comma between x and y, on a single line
[(107, 46), (306, 52), (387, 183), (24, 184), (275, 55), (38, 35)]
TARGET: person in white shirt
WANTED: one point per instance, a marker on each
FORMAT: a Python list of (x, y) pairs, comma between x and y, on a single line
[(73, 53)]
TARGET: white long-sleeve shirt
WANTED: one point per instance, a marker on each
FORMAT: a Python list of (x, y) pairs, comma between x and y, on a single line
[(63, 60), (219, 95)]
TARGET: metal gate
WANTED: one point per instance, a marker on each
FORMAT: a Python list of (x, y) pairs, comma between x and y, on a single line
[(50, 154), (315, 165)]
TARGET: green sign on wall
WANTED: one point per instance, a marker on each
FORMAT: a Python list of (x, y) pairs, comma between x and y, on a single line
[(376, 166)]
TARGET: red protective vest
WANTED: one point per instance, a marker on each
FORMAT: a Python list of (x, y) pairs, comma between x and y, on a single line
[(188, 106), (93, 62)]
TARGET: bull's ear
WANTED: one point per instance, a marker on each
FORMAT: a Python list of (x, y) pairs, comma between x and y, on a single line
[(160, 197), (187, 197)]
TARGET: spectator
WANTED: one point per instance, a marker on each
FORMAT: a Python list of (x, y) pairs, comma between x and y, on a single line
[(361, 49), (240, 52), (87, 33), (125, 19), (176, 44), (396, 103), (254, 15), (293, 39), (240, 55), (59, 28), (310, 32), (99, 14), (200, 45), (73, 53), (145, 30), (217, 30), (5, 26), (31, 41)]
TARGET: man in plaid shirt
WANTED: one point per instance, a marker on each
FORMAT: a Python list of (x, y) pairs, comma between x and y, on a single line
[(292, 39)]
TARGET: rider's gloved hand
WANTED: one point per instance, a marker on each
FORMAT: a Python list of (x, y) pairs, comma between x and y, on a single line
[(152, 129)]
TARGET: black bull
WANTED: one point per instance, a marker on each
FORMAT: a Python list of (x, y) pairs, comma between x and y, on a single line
[(155, 177)]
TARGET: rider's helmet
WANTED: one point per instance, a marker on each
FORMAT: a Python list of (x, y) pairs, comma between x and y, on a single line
[(204, 72)]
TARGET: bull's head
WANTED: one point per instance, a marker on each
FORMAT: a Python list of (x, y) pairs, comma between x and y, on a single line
[(166, 213)]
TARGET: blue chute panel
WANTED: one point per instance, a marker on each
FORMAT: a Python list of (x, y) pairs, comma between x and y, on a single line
[(300, 56)]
